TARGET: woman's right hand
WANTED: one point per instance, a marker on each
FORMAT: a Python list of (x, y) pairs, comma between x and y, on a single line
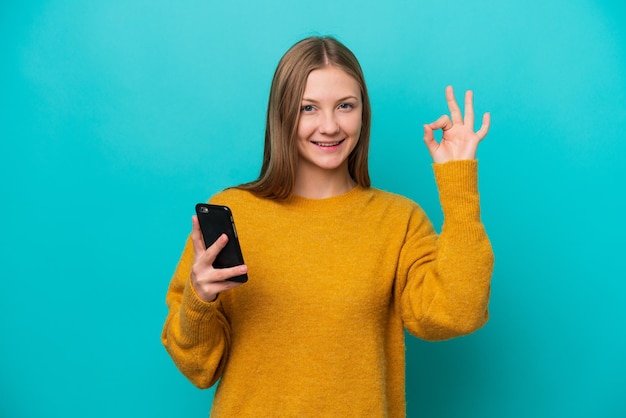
[(207, 281)]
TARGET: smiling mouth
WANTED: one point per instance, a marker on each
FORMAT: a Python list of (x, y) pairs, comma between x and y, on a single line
[(327, 144)]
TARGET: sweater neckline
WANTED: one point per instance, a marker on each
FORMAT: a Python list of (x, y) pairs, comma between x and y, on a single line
[(338, 200)]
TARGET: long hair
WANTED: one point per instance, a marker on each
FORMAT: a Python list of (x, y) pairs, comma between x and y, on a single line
[(280, 156)]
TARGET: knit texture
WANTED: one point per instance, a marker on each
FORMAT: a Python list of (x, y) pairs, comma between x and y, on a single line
[(318, 330)]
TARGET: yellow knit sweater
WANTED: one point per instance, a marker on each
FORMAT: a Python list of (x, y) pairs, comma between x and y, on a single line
[(318, 329)]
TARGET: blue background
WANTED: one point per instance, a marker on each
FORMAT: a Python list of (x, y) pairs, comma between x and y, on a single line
[(118, 116)]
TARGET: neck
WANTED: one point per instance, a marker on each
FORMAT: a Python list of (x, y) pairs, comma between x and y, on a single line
[(322, 184)]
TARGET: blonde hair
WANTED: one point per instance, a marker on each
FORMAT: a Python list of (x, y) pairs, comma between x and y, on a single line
[(280, 155)]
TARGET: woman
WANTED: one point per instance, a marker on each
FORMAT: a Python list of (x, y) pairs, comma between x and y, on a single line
[(337, 269)]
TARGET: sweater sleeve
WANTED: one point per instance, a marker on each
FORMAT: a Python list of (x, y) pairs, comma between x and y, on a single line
[(446, 278), (196, 334)]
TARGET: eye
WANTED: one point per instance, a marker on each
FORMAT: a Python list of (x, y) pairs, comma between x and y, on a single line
[(307, 108), (346, 106)]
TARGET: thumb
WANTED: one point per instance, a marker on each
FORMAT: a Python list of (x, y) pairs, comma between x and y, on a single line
[(429, 139)]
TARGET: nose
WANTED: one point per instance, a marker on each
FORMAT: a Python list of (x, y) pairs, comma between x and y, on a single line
[(328, 123)]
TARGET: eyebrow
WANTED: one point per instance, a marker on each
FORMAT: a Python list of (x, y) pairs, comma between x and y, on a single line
[(304, 99)]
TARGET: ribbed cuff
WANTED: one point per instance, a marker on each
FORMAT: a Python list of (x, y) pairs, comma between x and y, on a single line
[(457, 182), (195, 308)]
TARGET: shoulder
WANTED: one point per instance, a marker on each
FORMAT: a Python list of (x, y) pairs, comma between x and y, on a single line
[(392, 200), (396, 214), (238, 200), (392, 208), (233, 195), (229, 195)]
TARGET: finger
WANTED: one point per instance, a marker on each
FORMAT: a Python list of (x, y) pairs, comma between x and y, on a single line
[(224, 274), (429, 139), (218, 282), (484, 128), (455, 111), (215, 248), (444, 123), (219, 287), (469, 109), (196, 237)]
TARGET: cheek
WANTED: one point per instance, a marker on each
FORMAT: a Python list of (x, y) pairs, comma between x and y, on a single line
[(356, 127), (304, 129), (355, 132)]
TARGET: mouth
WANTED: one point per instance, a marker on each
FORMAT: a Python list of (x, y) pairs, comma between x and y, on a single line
[(327, 144)]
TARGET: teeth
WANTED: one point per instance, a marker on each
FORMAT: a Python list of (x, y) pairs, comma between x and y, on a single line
[(327, 144)]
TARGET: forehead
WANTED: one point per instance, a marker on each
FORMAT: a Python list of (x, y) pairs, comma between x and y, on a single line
[(331, 81)]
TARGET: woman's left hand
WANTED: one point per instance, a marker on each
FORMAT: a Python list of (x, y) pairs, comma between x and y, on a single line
[(459, 141)]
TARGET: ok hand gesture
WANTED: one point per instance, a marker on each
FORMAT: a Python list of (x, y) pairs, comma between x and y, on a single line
[(459, 141)]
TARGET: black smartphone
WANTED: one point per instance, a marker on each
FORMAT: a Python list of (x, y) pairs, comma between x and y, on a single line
[(216, 220)]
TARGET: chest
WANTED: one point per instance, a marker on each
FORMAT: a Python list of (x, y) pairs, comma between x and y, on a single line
[(335, 267)]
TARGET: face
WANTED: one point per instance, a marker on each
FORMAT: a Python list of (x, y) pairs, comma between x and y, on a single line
[(330, 121)]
